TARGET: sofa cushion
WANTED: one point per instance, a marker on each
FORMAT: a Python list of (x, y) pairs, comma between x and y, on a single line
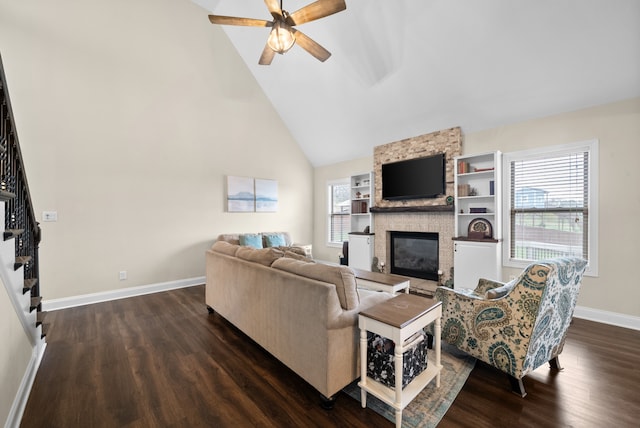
[(225, 248), (298, 256), (264, 256), (341, 276), (251, 239), (274, 240), (293, 249), (232, 238)]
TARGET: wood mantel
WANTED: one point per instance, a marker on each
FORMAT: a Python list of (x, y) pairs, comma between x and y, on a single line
[(422, 208)]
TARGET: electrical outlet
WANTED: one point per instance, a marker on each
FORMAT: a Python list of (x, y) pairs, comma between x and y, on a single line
[(122, 275), (49, 215)]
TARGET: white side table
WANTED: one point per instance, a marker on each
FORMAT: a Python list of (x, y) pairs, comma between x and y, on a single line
[(398, 319), (381, 281)]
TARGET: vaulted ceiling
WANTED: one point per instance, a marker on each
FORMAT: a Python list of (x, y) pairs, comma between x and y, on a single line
[(401, 68)]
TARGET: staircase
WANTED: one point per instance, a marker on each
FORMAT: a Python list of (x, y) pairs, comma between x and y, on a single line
[(21, 231)]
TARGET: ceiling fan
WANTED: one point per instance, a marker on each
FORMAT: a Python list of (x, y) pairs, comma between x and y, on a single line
[(283, 36)]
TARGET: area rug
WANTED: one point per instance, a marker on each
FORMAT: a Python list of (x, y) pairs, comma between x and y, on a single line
[(432, 403)]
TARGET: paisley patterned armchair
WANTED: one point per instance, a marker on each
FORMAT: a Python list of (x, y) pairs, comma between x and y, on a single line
[(518, 326)]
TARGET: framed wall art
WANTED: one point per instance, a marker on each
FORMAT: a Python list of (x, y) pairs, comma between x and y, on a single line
[(241, 195), (266, 195)]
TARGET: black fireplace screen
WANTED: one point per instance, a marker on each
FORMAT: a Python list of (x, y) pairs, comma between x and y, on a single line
[(415, 254)]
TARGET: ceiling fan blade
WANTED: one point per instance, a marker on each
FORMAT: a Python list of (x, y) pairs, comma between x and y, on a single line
[(306, 43), (316, 10), (267, 55), (232, 20), (274, 8)]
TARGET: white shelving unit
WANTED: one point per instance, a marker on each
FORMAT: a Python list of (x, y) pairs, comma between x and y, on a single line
[(482, 170), (478, 201), (361, 238), (361, 201)]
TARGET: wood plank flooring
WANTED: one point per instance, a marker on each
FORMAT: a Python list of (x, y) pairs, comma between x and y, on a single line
[(161, 360)]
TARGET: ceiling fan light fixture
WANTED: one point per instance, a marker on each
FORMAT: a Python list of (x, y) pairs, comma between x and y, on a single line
[(281, 38)]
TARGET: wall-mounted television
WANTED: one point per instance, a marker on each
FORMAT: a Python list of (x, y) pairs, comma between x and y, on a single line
[(414, 178)]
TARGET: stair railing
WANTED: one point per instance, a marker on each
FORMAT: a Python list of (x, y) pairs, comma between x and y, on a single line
[(20, 220)]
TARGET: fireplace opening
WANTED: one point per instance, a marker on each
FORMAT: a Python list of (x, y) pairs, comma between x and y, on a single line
[(414, 254)]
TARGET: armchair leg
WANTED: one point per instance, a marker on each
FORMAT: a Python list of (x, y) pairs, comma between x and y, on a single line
[(517, 387), (554, 363)]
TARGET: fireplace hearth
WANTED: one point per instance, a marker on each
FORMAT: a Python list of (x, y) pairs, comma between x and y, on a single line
[(414, 254)]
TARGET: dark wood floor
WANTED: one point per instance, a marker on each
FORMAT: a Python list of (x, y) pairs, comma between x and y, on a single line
[(162, 361)]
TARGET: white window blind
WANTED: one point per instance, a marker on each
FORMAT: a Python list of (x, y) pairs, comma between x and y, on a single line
[(550, 192), (339, 214)]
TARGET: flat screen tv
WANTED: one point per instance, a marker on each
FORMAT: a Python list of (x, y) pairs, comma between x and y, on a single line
[(414, 178)]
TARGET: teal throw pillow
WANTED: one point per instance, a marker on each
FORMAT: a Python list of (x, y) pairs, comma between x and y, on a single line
[(251, 240), (275, 240)]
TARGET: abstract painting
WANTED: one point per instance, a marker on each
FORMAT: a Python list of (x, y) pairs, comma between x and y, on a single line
[(240, 194), (266, 195)]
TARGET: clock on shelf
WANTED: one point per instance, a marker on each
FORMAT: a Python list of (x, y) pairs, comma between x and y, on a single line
[(480, 228)]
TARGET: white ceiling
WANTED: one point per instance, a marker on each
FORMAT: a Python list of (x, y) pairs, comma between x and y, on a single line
[(402, 68)]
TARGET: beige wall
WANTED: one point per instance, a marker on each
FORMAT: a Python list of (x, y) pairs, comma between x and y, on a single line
[(617, 127), (322, 176), (130, 115), (15, 354)]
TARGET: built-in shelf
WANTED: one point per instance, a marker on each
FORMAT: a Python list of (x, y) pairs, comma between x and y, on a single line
[(477, 188), (361, 200), (423, 208), (466, 238), (476, 197)]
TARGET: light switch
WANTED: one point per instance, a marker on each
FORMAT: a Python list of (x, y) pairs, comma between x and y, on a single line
[(49, 215)]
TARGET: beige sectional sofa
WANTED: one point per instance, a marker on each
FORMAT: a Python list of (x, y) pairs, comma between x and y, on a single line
[(304, 313)]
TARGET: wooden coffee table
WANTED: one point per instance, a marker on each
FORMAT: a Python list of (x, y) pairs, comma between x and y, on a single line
[(398, 319), (381, 281)]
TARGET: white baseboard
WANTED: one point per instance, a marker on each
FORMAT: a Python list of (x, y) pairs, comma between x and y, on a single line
[(105, 296), (605, 317), (22, 396)]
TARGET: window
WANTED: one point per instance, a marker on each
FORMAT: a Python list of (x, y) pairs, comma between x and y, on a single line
[(551, 204), (339, 211)]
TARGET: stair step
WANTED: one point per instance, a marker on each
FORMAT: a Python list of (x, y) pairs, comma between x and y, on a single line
[(29, 284), (44, 330), (6, 196), (12, 233), (20, 261), (35, 302), (40, 317)]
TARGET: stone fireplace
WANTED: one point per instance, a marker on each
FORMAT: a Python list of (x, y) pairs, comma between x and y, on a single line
[(417, 215), (441, 223)]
